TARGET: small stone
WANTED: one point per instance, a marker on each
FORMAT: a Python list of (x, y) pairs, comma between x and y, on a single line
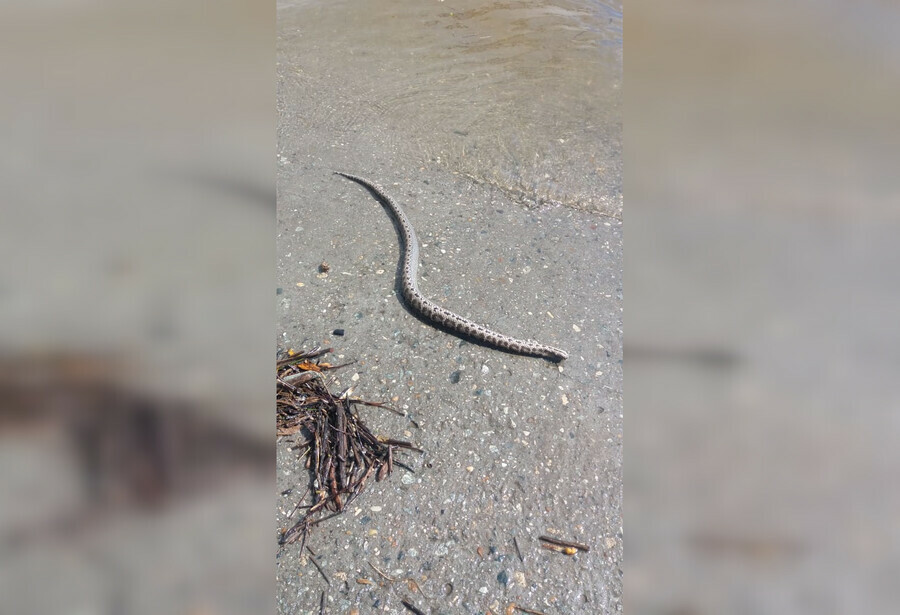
[(576, 328), (610, 542), (565, 400), (485, 369), (470, 469), (338, 332), (503, 578), (279, 290), (375, 508), (407, 479), (454, 377)]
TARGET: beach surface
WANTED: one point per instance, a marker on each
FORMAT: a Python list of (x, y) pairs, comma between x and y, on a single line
[(515, 447)]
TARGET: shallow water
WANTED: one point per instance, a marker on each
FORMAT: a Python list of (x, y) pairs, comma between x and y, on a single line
[(523, 96)]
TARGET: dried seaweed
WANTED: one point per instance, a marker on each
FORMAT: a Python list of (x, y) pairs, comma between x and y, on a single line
[(341, 453)]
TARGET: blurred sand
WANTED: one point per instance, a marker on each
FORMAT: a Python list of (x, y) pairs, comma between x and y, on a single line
[(136, 307), (761, 196)]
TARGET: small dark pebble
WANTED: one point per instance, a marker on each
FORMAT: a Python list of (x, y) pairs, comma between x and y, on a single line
[(376, 604), (278, 291), (400, 555), (492, 550), (365, 519), (454, 377), (337, 332), (503, 578)]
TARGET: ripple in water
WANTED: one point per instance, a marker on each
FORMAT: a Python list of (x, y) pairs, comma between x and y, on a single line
[(524, 96)]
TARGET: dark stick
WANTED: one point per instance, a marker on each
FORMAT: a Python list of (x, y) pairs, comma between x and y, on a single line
[(410, 607), (319, 568), (519, 553), (565, 543)]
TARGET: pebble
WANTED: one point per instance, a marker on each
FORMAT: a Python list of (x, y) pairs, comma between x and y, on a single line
[(503, 578)]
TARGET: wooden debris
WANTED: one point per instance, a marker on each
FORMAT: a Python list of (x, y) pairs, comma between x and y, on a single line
[(342, 454), (410, 607), (565, 543)]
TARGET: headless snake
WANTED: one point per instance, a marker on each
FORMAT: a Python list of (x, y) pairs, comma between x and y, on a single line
[(430, 310)]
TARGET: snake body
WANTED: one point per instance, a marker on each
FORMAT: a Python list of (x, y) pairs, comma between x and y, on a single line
[(430, 310)]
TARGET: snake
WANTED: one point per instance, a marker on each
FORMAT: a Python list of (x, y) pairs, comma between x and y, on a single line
[(431, 311)]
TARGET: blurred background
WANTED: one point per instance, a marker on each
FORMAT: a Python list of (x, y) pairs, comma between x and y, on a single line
[(761, 285), (136, 306)]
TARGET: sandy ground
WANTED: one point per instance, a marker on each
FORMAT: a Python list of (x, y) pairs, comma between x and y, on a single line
[(516, 447)]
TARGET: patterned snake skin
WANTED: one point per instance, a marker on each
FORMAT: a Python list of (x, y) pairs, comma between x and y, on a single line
[(432, 311)]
